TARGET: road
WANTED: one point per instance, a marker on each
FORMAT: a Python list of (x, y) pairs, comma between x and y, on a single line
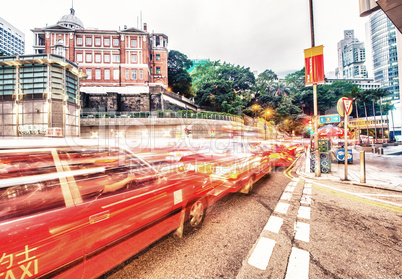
[(354, 232)]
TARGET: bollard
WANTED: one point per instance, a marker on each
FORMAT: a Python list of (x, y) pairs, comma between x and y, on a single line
[(381, 151), (362, 167)]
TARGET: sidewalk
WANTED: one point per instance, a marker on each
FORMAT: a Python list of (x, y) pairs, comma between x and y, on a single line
[(382, 171)]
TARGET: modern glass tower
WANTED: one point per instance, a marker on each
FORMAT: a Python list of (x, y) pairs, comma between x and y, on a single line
[(12, 40), (384, 51)]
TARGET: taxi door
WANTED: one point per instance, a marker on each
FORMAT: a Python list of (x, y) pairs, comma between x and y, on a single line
[(124, 208), (39, 231)]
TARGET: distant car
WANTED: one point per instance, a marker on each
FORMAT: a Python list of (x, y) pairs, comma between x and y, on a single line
[(230, 161), (72, 212)]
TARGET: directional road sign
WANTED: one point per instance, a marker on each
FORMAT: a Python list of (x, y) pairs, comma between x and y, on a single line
[(332, 118)]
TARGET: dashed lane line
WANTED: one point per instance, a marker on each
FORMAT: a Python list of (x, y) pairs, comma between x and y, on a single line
[(274, 224), (286, 196), (302, 231), (298, 266), (262, 253), (282, 208), (304, 212)]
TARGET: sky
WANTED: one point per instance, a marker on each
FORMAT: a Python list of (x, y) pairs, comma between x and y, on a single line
[(256, 34)]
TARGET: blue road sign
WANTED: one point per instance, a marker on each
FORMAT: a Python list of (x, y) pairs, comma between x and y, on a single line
[(333, 118)]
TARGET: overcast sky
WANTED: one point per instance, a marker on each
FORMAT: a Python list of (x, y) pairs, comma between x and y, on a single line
[(258, 34)]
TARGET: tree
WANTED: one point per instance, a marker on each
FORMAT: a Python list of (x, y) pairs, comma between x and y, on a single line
[(222, 87), (179, 79)]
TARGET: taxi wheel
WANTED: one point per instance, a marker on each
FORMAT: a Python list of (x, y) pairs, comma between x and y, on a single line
[(196, 216), (249, 186)]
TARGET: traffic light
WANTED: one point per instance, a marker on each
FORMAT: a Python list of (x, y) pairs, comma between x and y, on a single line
[(310, 127)]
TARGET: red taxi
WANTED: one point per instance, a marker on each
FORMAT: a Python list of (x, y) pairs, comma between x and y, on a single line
[(232, 162), (72, 212)]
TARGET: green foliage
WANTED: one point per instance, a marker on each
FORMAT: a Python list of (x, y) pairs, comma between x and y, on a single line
[(222, 86), (179, 79)]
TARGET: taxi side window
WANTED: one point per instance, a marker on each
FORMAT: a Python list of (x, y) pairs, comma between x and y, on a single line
[(99, 173), (28, 184)]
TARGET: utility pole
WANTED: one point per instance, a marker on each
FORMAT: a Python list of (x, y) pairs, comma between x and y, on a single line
[(316, 150)]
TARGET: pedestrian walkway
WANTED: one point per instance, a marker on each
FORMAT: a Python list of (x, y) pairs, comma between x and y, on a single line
[(382, 170)]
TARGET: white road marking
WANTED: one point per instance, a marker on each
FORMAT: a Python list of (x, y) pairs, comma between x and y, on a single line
[(305, 199), (302, 231), (274, 224), (298, 266), (289, 189), (307, 185), (282, 207), (304, 212), (296, 179), (286, 196), (379, 195), (262, 253), (357, 194), (307, 191)]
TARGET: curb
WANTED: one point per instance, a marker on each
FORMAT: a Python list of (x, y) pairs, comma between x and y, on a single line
[(306, 176)]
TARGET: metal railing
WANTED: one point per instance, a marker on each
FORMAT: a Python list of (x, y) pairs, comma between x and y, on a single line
[(162, 114)]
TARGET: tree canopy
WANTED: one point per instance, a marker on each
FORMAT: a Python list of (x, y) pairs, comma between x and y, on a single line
[(179, 79)]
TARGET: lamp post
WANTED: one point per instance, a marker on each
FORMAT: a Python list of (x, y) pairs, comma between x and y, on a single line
[(255, 108)]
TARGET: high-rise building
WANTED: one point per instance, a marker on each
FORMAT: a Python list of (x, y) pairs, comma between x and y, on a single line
[(351, 57), (384, 53), (121, 64), (12, 40)]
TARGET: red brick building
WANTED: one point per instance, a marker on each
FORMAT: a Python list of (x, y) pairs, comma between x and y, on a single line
[(125, 62)]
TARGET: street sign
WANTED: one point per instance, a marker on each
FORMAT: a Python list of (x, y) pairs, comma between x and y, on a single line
[(341, 107), (332, 118), (347, 103)]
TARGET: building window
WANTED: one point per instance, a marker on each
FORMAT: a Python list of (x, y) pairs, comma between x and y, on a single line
[(133, 58), (88, 41), (60, 51), (79, 57), (116, 74), (133, 74), (107, 74), (133, 43), (127, 74), (98, 74), (158, 57), (115, 42), (116, 57), (107, 42), (97, 57), (141, 76), (89, 57), (107, 58), (158, 70), (97, 41), (79, 41), (89, 73)]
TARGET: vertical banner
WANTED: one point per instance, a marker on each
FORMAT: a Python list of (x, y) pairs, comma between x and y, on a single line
[(314, 59)]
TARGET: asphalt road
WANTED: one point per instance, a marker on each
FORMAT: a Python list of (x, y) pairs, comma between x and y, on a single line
[(354, 232), (216, 250)]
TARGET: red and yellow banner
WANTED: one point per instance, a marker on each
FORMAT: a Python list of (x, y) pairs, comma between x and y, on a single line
[(314, 59)]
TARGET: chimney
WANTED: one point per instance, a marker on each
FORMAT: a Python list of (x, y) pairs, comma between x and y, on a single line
[(145, 27)]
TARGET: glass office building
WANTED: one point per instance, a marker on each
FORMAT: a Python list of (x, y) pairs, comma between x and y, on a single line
[(384, 51), (12, 40)]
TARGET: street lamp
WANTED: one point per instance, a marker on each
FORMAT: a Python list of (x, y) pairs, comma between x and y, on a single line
[(255, 108)]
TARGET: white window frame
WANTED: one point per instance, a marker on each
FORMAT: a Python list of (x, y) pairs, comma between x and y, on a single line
[(133, 74), (116, 58), (79, 41), (89, 73), (107, 58), (107, 74), (98, 57), (134, 58), (98, 41), (88, 41), (106, 41), (115, 42), (79, 57), (141, 74), (98, 74), (115, 73), (133, 43), (88, 57)]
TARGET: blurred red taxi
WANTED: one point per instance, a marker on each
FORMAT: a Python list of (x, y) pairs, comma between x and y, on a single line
[(232, 162), (78, 211)]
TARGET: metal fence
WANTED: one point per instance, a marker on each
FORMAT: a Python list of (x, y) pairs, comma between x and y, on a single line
[(162, 114)]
